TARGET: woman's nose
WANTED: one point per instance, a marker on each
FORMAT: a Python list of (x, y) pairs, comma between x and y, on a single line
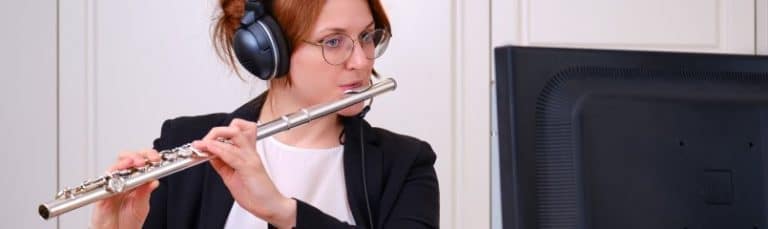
[(358, 59)]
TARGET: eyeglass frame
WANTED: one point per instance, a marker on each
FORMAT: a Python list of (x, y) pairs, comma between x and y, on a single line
[(321, 44)]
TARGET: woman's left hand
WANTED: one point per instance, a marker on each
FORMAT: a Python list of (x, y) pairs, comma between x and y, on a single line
[(240, 167)]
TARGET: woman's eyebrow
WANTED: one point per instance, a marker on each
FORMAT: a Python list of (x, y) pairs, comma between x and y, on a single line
[(341, 30)]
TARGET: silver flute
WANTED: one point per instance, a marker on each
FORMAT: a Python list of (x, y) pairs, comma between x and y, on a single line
[(186, 156)]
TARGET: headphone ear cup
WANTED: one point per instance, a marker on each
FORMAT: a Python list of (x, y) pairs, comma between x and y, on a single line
[(260, 47), (283, 46)]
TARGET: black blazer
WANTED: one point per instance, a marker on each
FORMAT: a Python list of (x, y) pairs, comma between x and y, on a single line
[(401, 180)]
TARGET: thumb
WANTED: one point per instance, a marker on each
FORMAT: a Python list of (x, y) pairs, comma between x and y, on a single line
[(143, 192)]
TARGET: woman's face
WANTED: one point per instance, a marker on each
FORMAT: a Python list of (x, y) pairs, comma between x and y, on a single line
[(314, 80)]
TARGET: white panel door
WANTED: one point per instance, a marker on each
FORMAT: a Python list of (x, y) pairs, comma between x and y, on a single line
[(720, 26), (27, 111)]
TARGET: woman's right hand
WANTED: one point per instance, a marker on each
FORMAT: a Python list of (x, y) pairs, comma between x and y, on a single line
[(127, 210)]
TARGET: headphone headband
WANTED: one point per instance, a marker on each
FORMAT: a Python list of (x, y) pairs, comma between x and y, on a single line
[(255, 6)]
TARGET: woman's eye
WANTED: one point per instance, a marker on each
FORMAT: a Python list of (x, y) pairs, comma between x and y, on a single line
[(367, 38), (332, 42)]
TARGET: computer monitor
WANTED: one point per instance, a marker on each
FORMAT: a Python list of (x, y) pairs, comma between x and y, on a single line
[(628, 139)]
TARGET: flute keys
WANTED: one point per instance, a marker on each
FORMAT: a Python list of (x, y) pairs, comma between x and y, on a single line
[(169, 156), (197, 152), (64, 194), (115, 183), (61, 194), (185, 152), (144, 168)]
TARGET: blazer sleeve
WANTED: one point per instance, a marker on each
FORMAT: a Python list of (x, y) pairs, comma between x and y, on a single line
[(157, 201), (417, 206)]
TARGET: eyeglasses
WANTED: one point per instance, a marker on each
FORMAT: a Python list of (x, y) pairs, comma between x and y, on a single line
[(337, 48)]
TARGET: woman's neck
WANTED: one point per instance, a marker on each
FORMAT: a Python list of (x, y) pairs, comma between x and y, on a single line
[(322, 132)]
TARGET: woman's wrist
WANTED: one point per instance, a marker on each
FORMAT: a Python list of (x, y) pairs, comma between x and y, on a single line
[(285, 214)]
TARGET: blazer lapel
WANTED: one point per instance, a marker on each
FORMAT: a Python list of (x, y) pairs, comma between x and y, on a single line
[(373, 170), (217, 201), (353, 169)]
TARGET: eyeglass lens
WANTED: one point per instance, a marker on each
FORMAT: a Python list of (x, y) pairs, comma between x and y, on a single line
[(338, 48)]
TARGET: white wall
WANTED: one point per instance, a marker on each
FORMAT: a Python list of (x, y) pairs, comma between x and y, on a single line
[(27, 111)]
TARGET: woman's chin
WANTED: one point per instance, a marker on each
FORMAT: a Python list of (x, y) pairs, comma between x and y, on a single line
[(352, 110)]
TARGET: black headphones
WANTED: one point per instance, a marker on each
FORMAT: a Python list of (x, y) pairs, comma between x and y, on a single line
[(259, 43)]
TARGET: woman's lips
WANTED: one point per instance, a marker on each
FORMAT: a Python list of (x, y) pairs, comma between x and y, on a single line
[(350, 86)]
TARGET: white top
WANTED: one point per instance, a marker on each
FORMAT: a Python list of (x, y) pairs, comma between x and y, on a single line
[(315, 176)]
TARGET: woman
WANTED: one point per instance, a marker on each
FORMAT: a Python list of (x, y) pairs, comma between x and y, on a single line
[(334, 172)]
